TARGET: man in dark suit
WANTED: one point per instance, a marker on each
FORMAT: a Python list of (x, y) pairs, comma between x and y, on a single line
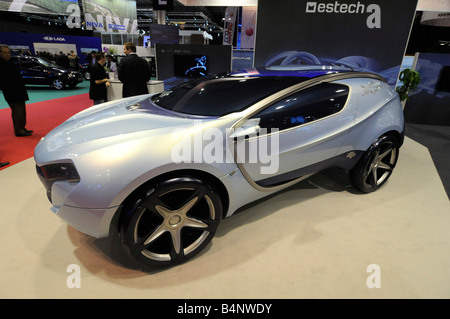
[(134, 72), (14, 91)]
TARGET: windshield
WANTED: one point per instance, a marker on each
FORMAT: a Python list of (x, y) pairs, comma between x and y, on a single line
[(218, 96), (47, 63)]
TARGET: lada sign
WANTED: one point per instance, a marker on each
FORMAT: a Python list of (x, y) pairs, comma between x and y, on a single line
[(54, 39)]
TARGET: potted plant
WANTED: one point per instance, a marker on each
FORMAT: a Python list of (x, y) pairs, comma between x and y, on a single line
[(410, 79), (112, 51)]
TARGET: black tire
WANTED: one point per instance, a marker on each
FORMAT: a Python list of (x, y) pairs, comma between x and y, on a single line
[(87, 75), (376, 165), (169, 223)]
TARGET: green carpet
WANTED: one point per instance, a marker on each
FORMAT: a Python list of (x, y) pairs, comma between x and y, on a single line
[(39, 93)]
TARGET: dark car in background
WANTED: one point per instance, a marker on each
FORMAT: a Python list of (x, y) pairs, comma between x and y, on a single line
[(40, 71), (85, 70)]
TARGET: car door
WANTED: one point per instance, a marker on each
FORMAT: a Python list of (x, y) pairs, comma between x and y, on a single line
[(33, 72), (294, 136)]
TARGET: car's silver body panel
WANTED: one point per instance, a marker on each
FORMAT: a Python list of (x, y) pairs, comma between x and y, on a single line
[(118, 146)]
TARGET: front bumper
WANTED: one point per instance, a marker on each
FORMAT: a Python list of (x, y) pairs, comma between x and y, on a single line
[(93, 222), (75, 79)]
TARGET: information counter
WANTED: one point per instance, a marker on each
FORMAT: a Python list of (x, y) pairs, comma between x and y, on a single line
[(114, 91)]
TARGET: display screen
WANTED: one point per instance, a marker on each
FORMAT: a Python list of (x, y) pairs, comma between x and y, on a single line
[(192, 66), (175, 60), (163, 34)]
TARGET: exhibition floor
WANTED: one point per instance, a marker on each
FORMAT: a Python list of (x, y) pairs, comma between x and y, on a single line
[(313, 240)]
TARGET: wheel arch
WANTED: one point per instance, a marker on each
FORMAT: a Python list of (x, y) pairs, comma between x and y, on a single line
[(399, 136), (209, 178)]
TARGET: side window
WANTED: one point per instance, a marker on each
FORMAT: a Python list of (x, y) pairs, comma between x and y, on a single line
[(29, 64), (304, 106)]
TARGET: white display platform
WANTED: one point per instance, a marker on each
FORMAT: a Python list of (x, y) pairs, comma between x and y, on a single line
[(114, 91), (314, 240)]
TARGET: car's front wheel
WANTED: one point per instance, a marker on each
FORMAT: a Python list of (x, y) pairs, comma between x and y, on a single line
[(376, 165), (170, 222), (58, 84)]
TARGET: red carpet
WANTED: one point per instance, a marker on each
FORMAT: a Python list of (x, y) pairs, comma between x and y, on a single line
[(42, 117)]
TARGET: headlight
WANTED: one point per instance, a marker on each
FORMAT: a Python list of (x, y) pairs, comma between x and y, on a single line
[(65, 171), (50, 173)]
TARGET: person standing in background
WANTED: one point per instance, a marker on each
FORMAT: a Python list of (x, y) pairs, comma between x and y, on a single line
[(74, 60), (110, 64), (134, 72), (14, 91), (63, 60), (99, 80), (90, 59)]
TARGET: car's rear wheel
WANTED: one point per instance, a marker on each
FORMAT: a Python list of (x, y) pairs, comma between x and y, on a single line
[(58, 84), (168, 223), (376, 165)]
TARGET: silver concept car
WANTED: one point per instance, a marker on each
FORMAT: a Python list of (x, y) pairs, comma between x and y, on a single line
[(158, 172)]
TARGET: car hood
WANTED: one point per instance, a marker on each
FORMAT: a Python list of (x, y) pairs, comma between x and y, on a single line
[(60, 70), (117, 119)]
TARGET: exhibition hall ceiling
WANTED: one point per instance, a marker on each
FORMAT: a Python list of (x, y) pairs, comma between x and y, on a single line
[(237, 3), (208, 15), (187, 12)]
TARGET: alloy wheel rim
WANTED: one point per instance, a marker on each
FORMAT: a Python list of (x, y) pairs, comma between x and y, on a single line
[(57, 84), (381, 164), (183, 228)]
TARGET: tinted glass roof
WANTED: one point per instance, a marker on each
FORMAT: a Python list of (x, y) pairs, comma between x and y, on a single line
[(234, 92), (221, 95)]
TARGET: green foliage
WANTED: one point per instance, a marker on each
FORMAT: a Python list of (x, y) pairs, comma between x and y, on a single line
[(112, 51), (411, 80)]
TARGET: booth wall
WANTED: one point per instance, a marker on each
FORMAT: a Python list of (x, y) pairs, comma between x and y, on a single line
[(430, 103)]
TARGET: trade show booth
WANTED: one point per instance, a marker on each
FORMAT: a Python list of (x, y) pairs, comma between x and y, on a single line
[(106, 206)]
